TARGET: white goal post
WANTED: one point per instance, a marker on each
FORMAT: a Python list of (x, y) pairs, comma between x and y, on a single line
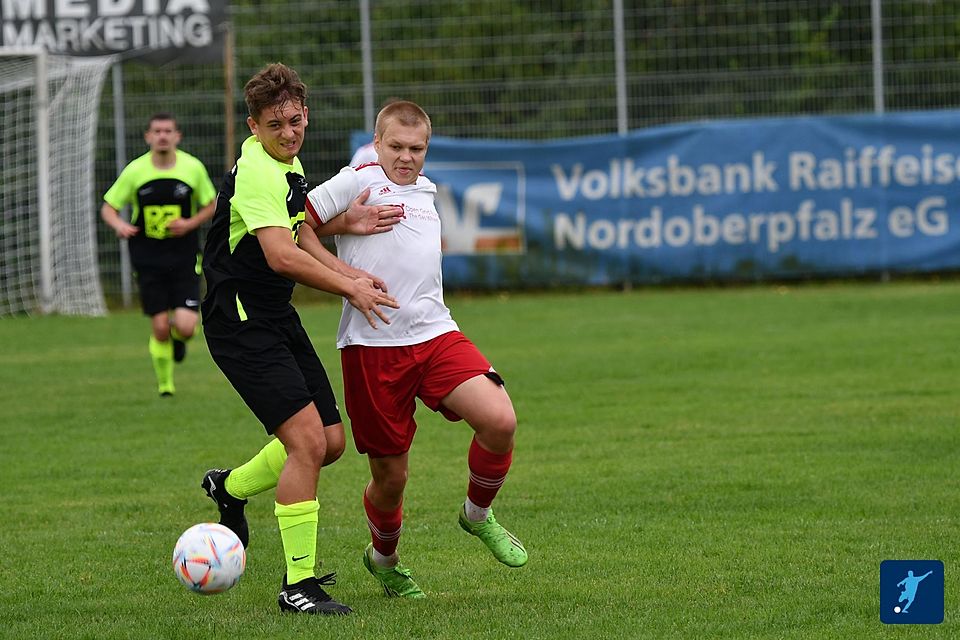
[(48, 122)]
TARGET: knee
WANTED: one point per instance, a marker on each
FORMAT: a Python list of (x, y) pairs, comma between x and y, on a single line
[(310, 446), (391, 484), (499, 426), (394, 486), (335, 447), (186, 331)]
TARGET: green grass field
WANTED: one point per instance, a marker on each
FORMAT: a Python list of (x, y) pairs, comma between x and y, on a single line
[(729, 463)]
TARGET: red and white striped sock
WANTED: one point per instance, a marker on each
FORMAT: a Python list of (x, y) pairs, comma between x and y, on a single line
[(385, 527), (488, 471)]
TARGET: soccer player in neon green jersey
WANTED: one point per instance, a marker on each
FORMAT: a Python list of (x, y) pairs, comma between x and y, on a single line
[(256, 250), (171, 196)]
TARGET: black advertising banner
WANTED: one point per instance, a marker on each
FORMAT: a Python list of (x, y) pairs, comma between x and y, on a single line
[(153, 31)]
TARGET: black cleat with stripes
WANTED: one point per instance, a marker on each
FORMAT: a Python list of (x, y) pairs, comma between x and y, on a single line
[(308, 596)]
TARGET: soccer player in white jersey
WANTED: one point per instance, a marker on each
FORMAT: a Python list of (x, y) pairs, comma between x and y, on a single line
[(420, 354)]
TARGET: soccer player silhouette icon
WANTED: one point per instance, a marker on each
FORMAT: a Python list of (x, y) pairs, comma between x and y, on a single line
[(909, 585)]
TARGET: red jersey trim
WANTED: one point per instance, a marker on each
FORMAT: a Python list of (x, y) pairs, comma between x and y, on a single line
[(313, 213)]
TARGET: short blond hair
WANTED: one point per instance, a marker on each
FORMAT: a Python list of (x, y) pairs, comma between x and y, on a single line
[(407, 113)]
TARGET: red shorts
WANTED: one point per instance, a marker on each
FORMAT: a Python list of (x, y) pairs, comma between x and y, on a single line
[(381, 385)]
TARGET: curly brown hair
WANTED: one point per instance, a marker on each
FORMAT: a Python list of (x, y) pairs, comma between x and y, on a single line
[(273, 86)]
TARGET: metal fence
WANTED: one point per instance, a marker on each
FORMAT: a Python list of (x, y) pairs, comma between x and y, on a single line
[(539, 70)]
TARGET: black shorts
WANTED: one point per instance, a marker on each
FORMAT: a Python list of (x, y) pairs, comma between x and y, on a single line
[(164, 289), (273, 366)]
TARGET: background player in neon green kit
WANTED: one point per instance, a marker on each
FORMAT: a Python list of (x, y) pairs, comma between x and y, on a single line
[(171, 195), (256, 250)]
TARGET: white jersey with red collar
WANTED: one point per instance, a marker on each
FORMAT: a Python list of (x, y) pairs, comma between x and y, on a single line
[(407, 257)]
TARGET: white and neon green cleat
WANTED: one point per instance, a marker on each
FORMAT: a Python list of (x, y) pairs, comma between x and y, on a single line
[(396, 580), (502, 544)]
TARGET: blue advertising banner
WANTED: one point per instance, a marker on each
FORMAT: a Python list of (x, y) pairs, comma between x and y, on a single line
[(734, 200)]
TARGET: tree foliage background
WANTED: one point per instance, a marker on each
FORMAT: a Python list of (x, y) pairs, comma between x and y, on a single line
[(543, 69)]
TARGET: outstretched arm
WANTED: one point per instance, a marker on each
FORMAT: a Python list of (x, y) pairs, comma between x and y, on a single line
[(310, 243), (337, 207), (287, 259)]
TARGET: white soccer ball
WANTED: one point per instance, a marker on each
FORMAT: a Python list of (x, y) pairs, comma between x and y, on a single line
[(209, 558)]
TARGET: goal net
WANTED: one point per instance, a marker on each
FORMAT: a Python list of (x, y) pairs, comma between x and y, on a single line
[(48, 121)]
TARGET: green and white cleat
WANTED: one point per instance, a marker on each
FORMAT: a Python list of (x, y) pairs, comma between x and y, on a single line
[(502, 544), (396, 580)]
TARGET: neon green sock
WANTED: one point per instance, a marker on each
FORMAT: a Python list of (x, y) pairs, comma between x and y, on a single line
[(162, 355), (176, 334), (260, 473), (298, 530)]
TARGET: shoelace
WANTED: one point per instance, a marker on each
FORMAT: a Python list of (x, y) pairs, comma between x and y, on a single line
[(313, 589), (327, 580)]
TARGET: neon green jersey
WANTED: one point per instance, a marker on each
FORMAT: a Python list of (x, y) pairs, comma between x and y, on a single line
[(259, 192), (157, 197)]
